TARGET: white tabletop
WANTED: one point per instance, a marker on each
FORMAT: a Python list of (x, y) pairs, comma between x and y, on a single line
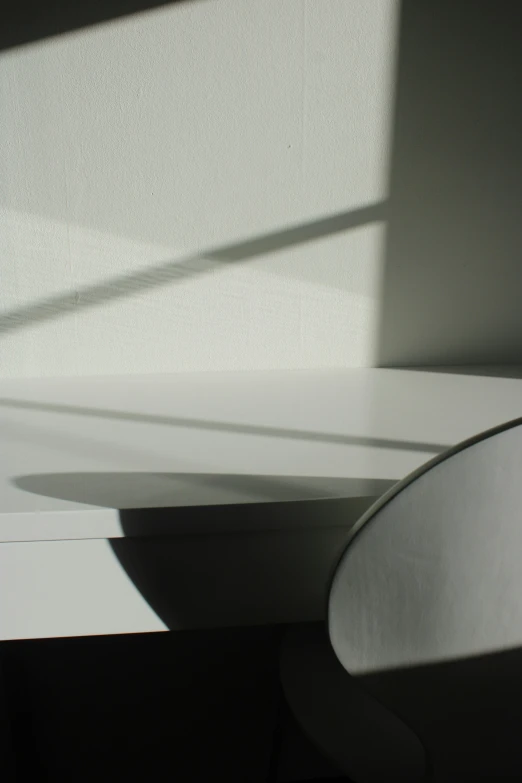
[(74, 451)]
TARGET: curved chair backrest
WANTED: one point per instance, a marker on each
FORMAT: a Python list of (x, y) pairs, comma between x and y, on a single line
[(426, 605)]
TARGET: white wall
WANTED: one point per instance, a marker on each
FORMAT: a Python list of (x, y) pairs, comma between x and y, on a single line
[(163, 135)]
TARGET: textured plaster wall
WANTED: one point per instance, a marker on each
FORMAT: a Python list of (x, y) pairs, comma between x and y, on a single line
[(133, 150)]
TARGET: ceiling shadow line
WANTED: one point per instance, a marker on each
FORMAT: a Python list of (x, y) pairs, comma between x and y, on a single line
[(229, 427), (179, 271), (26, 22)]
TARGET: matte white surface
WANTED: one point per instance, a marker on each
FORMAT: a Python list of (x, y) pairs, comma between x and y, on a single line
[(161, 136), (79, 588), (435, 574), (76, 450), (68, 588)]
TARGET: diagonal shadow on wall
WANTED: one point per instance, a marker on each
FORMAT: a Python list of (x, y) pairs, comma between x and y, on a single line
[(179, 271)]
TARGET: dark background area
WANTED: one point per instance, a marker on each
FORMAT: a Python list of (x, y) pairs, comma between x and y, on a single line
[(184, 706)]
